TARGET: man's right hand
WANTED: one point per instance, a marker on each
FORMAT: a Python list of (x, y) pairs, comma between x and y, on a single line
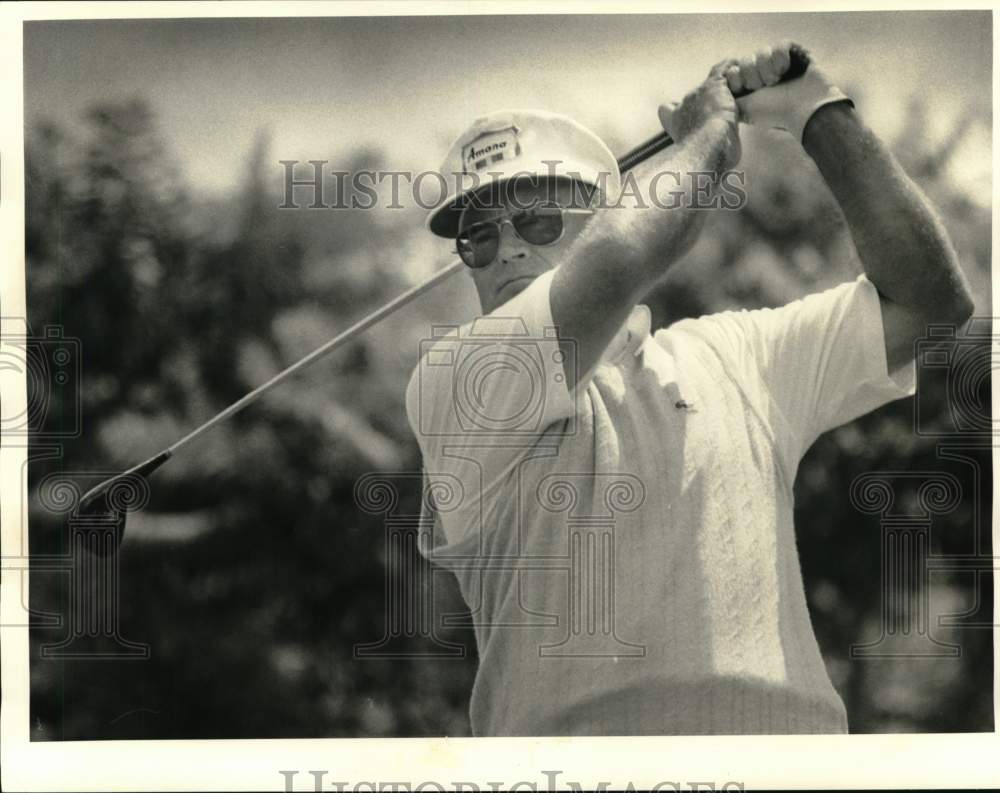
[(622, 252), (781, 105), (709, 112)]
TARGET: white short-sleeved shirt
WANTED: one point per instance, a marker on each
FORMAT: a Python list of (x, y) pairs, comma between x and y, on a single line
[(626, 546)]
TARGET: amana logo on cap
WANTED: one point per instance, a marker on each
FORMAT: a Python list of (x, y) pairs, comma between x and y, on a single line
[(490, 147)]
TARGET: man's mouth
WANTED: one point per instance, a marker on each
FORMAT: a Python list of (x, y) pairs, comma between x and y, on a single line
[(521, 280)]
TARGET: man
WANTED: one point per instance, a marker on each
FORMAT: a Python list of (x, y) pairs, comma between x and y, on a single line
[(617, 506)]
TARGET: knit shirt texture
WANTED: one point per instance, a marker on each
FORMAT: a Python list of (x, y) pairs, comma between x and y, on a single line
[(626, 547)]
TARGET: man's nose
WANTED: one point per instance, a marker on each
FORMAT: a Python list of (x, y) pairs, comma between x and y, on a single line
[(511, 247)]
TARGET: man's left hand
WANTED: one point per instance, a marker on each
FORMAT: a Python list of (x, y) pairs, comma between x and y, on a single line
[(780, 105)]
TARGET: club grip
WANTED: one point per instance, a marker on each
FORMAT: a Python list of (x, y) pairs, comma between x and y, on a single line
[(799, 62)]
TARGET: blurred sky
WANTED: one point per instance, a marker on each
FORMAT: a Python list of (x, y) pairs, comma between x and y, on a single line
[(408, 85)]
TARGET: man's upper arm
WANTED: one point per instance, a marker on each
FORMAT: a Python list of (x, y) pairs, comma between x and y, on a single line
[(902, 327), (831, 357), (593, 292)]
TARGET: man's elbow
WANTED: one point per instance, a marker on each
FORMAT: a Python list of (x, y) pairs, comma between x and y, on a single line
[(955, 305), (941, 288), (962, 308)]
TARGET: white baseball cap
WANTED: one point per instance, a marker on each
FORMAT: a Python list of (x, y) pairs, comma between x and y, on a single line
[(512, 143)]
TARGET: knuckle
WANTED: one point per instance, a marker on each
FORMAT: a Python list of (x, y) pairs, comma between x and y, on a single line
[(767, 64)]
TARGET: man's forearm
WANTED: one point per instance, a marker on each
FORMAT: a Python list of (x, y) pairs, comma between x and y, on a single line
[(655, 237), (900, 240), (623, 250)]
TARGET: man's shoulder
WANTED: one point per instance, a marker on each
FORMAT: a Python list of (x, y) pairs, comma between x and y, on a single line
[(717, 350), (724, 328), (737, 326)]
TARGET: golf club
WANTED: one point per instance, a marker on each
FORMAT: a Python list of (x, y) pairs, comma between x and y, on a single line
[(106, 501)]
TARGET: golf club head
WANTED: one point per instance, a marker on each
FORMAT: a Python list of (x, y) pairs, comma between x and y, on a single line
[(110, 502)]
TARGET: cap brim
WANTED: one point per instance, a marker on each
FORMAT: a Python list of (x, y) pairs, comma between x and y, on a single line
[(443, 221)]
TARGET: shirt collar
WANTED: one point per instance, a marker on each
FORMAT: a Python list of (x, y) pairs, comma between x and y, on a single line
[(631, 335)]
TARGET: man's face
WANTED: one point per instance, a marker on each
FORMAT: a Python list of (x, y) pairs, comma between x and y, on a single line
[(518, 263)]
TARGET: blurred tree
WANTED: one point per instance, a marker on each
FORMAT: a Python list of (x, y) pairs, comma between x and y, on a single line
[(253, 611)]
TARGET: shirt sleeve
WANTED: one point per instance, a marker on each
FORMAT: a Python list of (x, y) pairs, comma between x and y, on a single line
[(821, 359), (483, 393)]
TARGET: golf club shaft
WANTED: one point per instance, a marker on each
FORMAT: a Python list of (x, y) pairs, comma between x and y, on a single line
[(654, 145), (337, 341), (629, 160), (632, 158)]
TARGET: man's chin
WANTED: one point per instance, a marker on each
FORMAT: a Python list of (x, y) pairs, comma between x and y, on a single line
[(512, 289)]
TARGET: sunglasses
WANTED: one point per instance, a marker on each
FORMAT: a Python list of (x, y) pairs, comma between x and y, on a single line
[(541, 224)]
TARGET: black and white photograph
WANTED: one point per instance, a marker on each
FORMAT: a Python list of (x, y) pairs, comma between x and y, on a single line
[(554, 383)]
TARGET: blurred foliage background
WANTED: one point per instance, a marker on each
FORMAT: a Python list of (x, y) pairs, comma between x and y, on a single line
[(252, 573)]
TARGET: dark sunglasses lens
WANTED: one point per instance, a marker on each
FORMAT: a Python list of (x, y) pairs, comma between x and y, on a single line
[(477, 245), (540, 226)]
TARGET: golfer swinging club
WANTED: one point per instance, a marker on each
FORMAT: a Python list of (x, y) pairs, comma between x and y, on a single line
[(700, 426)]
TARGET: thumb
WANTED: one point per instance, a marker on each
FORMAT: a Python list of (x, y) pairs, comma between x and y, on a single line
[(765, 107), (748, 108), (666, 113)]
